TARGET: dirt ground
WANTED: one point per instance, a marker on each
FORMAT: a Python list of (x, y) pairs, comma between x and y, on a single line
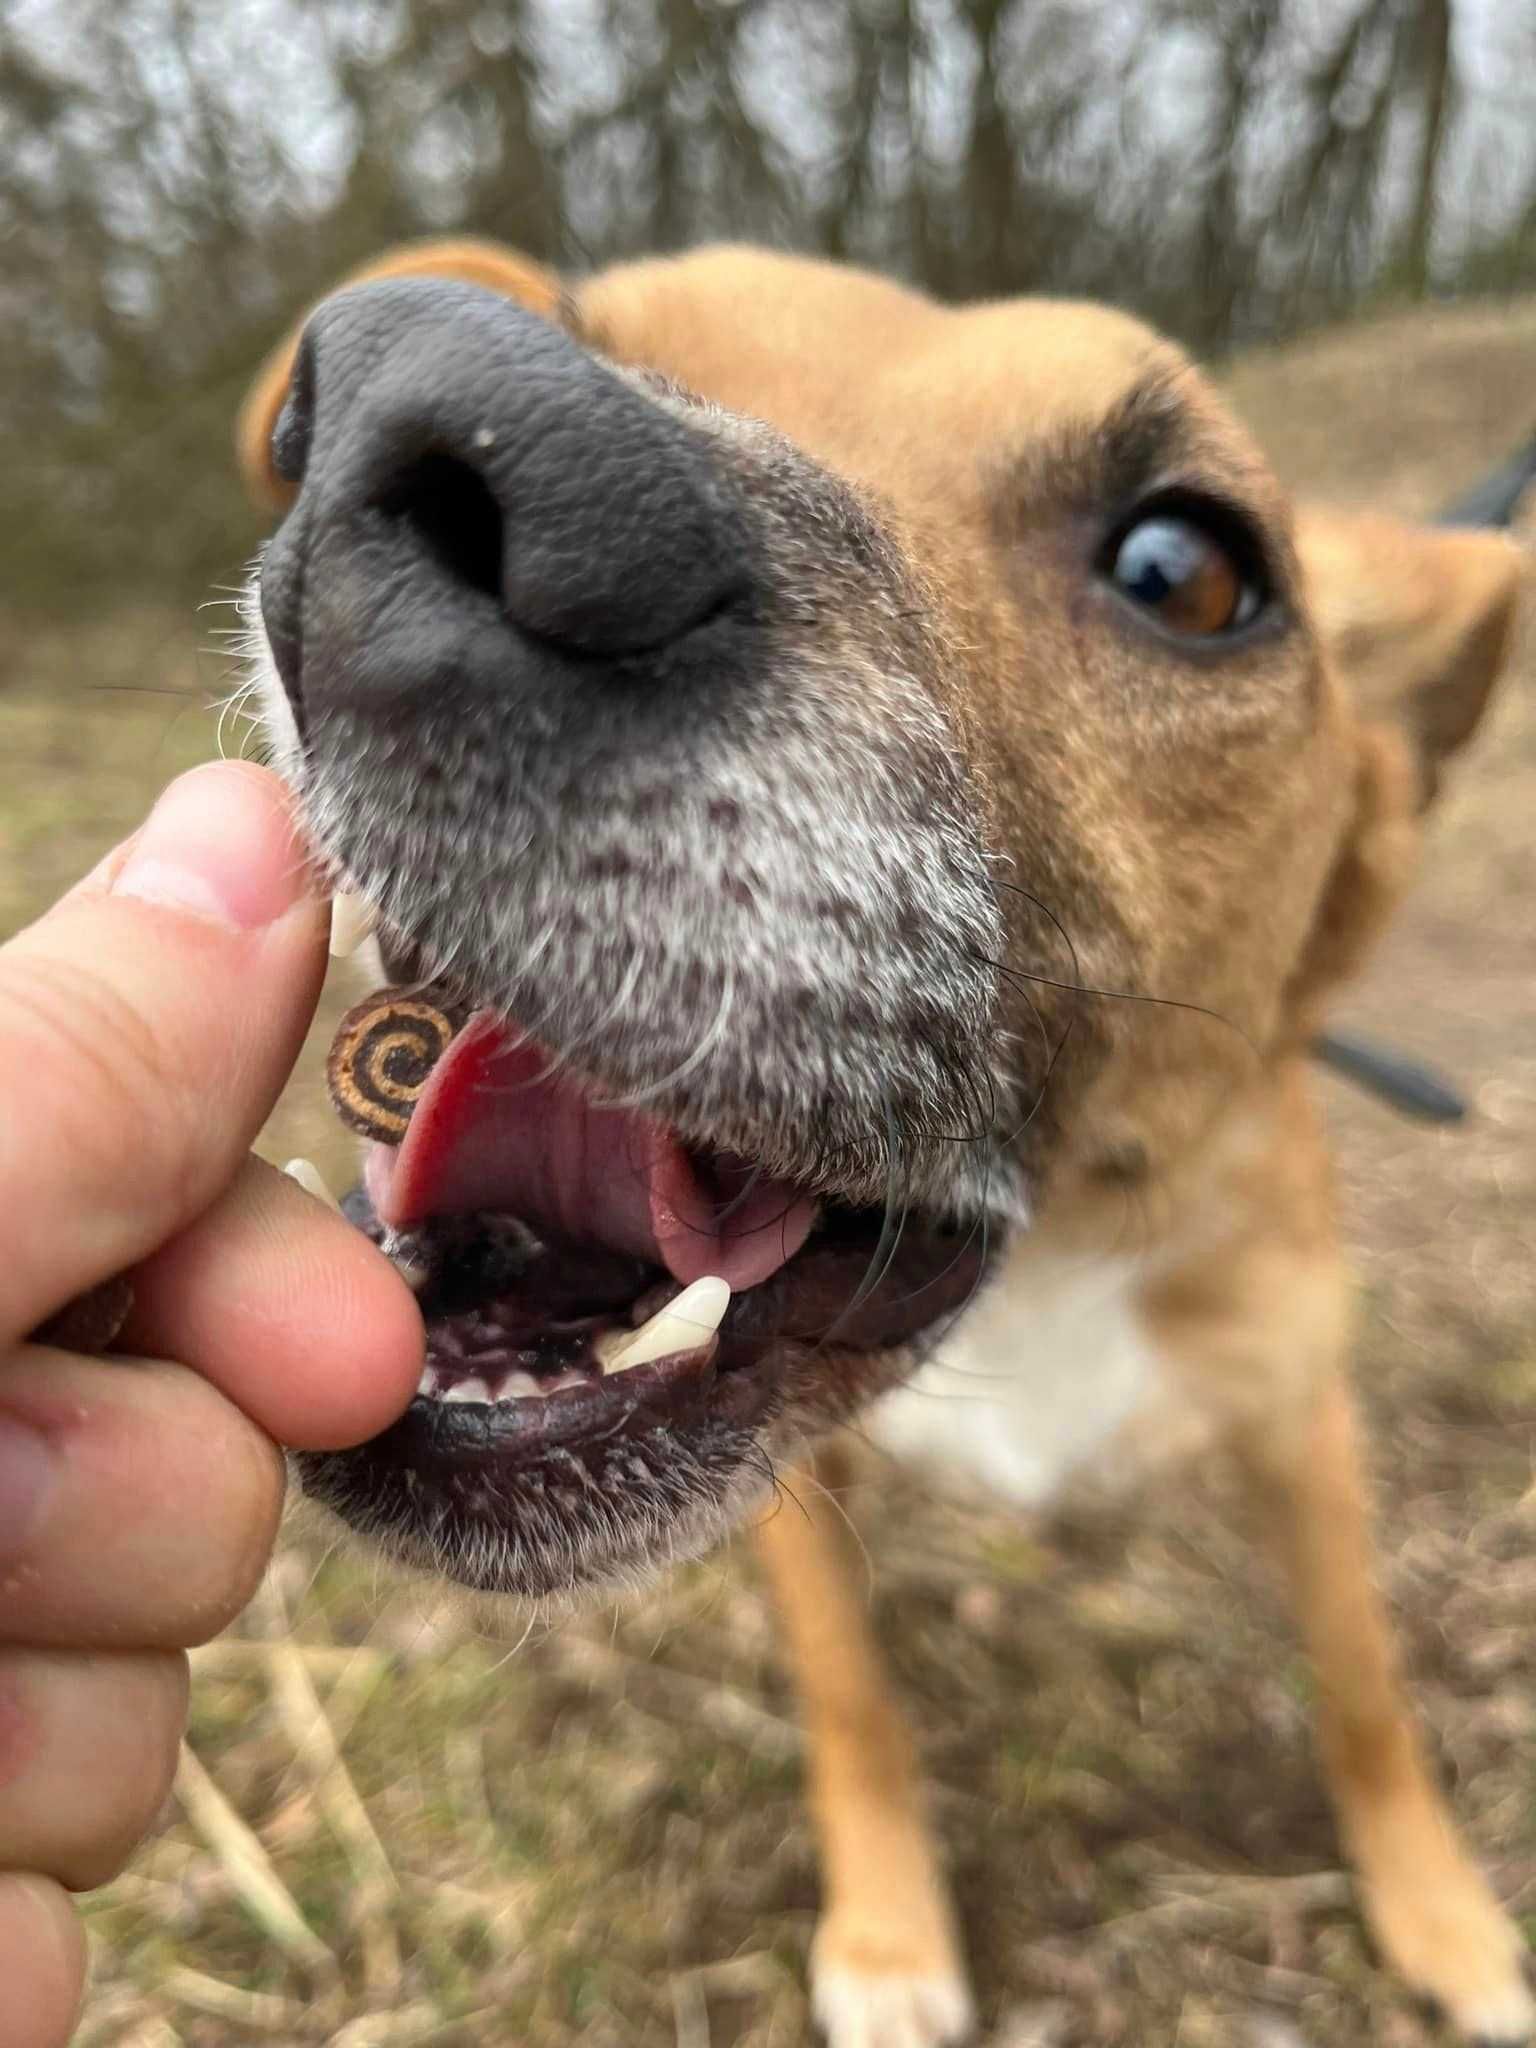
[(405, 1824)]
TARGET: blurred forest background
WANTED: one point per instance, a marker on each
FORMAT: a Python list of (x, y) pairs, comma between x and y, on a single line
[(402, 1822), (176, 178)]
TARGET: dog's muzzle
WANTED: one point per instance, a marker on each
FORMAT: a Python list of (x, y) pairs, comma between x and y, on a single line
[(617, 709)]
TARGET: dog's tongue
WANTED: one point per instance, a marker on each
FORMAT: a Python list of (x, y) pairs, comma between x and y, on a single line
[(496, 1129)]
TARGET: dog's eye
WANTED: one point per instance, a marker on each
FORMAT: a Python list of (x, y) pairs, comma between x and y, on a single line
[(1193, 579)]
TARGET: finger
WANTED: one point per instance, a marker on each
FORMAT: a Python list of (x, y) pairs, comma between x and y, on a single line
[(288, 1308), (88, 1748), (137, 1505), (42, 1963), (146, 1026)]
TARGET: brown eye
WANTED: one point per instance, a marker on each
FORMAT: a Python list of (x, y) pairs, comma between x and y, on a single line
[(1181, 572)]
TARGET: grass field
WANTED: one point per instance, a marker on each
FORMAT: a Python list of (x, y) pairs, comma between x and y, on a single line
[(406, 1824)]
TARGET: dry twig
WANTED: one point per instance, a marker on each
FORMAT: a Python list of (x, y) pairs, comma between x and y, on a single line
[(315, 1745), (249, 1869)]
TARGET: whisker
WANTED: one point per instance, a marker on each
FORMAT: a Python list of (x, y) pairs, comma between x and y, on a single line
[(701, 1052), (892, 1224), (889, 1241), (1045, 911), (808, 1472), (1121, 995), (140, 689)]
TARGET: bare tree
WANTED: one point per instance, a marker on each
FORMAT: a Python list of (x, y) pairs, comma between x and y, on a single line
[(176, 179)]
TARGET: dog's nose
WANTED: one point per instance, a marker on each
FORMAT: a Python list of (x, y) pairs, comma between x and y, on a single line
[(469, 475)]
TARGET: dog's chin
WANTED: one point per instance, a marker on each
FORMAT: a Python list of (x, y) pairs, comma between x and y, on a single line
[(532, 1464)]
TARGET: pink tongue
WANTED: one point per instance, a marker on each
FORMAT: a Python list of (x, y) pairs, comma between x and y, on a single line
[(494, 1130)]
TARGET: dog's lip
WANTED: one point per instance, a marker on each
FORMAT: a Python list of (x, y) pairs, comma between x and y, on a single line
[(529, 1433)]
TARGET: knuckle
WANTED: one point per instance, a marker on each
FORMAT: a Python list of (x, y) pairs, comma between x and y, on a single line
[(236, 1540), (91, 1772), (42, 1963), (21, 1733), (152, 1740)]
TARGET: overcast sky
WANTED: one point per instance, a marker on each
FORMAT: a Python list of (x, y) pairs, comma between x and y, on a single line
[(267, 66)]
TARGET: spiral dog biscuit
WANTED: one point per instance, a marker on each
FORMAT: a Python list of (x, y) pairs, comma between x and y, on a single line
[(381, 1057)]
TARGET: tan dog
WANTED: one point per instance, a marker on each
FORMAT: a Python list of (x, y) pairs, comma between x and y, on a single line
[(899, 787)]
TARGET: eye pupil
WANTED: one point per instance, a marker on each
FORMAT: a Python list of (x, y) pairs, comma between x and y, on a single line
[(1174, 568)]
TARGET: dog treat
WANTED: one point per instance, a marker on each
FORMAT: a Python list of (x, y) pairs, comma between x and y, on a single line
[(381, 1056)]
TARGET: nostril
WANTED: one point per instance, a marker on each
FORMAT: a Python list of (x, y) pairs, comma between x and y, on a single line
[(500, 485), (451, 512)]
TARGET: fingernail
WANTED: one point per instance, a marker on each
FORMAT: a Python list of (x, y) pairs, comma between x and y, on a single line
[(28, 1472), (220, 845)]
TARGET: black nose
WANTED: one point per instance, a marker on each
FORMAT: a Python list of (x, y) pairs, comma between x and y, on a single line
[(471, 478)]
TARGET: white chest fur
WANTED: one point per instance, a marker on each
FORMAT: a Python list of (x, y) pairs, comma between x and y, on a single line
[(1044, 1373)]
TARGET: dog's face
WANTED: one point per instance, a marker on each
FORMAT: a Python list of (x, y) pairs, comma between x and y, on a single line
[(874, 773)]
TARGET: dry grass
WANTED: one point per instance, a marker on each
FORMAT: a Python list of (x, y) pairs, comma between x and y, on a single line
[(404, 1824)]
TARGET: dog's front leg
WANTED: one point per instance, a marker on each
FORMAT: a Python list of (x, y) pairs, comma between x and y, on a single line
[(1433, 1915), (885, 1968)]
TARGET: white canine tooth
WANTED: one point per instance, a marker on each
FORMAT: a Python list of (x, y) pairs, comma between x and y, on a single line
[(311, 1180), (472, 1390), (427, 1384), (687, 1321), (518, 1386), (353, 917)]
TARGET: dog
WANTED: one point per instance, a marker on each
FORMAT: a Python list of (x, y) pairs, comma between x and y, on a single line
[(896, 788)]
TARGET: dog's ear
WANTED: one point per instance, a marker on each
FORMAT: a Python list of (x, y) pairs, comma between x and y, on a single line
[(474, 262), (1417, 620), (1370, 873)]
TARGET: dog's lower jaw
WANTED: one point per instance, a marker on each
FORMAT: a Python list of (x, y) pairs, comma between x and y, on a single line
[(558, 1560), (611, 1520)]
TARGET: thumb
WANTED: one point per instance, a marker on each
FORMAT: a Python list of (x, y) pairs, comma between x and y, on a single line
[(147, 1024)]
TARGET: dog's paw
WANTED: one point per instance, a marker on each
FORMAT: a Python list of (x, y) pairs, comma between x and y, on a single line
[(1457, 1951), (1500, 2014), (872, 1992), (1502, 2017)]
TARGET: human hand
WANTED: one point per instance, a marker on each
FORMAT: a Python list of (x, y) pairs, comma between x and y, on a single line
[(147, 1023)]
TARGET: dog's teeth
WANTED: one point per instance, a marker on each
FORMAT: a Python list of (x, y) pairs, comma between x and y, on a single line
[(472, 1390), (311, 1180), (687, 1321), (353, 917), (427, 1384), (518, 1386)]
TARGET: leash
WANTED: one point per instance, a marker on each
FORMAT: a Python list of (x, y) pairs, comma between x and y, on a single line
[(1404, 1084), (1494, 500)]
